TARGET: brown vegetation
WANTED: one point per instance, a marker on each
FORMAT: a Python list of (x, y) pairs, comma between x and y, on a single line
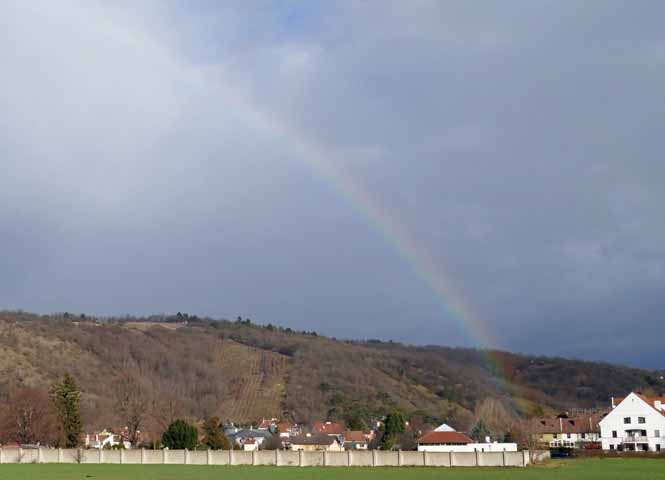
[(182, 366)]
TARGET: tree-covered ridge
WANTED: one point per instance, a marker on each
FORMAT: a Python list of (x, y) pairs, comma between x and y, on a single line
[(177, 367)]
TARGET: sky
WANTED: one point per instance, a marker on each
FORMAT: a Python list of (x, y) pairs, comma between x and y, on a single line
[(458, 173)]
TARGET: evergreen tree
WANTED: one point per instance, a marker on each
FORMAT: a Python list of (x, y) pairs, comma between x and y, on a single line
[(480, 430), (180, 435), (67, 398), (214, 435), (393, 427)]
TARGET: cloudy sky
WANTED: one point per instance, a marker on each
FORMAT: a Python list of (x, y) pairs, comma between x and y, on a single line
[(432, 172)]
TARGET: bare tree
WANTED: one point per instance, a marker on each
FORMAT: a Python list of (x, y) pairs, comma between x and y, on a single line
[(526, 434), (29, 418), (166, 408), (132, 402)]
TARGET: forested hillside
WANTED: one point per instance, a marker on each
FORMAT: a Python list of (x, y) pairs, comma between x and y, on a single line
[(187, 366)]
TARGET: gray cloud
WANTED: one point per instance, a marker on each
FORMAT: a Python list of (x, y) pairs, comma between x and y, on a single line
[(152, 161)]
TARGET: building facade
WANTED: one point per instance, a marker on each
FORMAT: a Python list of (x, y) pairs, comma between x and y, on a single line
[(635, 423)]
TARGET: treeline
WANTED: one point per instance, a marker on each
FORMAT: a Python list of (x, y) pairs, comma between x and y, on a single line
[(169, 367)]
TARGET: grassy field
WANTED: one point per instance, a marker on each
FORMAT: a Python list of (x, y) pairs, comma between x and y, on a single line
[(600, 469)]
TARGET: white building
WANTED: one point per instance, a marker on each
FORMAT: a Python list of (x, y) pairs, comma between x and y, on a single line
[(635, 423), (105, 439), (446, 439)]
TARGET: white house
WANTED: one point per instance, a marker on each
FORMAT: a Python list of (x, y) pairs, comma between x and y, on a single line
[(446, 439), (635, 423), (105, 439)]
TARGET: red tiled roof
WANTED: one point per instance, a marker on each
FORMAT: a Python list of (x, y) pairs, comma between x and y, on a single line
[(444, 437), (328, 428), (355, 436)]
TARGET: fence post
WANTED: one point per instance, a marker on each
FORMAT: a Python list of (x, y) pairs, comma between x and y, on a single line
[(142, 456), (477, 463), (349, 459), (325, 458), (20, 455), (232, 458), (374, 462), (186, 456), (59, 455), (452, 458), (0, 455), (503, 460), (100, 456), (122, 455), (300, 462), (40, 458), (164, 456), (209, 457), (254, 457), (425, 458), (277, 458)]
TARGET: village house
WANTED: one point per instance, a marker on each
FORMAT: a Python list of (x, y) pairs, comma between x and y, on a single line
[(635, 423), (310, 443), (106, 439), (257, 436), (250, 444), (573, 432), (445, 439), (356, 440)]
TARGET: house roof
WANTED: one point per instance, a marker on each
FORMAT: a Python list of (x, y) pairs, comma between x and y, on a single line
[(355, 436), (285, 426), (313, 440), (581, 423), (444, 437), (328, 428), (651, 401)]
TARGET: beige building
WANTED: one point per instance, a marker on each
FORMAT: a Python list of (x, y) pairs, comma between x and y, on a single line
[(326, 443)]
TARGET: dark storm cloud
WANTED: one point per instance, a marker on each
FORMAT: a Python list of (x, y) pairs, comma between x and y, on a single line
[(520, 144)]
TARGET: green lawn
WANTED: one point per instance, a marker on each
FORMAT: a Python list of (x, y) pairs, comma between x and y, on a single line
[(600, 469)]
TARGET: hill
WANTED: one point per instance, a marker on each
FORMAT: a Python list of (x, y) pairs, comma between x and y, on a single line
[(194, 367)]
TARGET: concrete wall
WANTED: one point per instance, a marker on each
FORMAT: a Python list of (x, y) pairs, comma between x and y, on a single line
[(288, 458), (113, 456), (491, 459), (311, 459), (361, 458), (411, 459), (220, 457), (240, 457), (336, 459), (437, 459), (351, 458), (463, 459), (152, 457), (387, 459), (175, 457), (265, 457)]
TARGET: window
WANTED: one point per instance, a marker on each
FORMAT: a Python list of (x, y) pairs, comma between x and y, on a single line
[(641, 420), (611, 447), (614, 434), (656, 433), (584, 435), (626, 420), (554, 436), (658, 447), (569, 435)]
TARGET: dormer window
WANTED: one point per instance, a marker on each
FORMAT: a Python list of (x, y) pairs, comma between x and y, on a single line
[(641, 420), (626, 420)]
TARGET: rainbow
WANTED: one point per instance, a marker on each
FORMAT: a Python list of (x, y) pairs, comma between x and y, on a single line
[(442, 285)]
